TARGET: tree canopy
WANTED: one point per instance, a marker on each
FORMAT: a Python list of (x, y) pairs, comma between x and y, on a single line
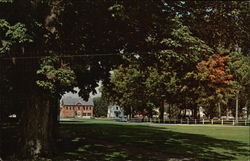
[(159, 51)]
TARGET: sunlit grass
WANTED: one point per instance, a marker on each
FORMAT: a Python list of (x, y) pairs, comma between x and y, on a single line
[(112, 141), (138, 142)]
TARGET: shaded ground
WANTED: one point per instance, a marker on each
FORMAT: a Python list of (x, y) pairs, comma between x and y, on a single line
[(118, 142)]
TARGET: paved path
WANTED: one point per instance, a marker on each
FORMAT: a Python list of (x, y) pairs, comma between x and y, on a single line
[(145, 123)]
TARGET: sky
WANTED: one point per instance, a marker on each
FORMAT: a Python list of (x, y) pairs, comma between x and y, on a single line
[(98, 94)]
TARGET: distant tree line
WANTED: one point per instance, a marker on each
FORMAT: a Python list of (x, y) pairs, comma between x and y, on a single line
[(201, 59)]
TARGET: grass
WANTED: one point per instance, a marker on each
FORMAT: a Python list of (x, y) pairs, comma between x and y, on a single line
[(92, 141), (96, 119), (95, 141)]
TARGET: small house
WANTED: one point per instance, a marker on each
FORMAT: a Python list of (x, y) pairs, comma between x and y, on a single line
[(115, 111)]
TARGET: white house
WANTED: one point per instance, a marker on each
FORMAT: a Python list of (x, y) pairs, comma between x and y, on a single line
[(114, 111), (189, 112), (201, 112)]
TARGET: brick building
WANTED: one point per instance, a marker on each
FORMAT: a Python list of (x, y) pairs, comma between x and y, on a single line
[(76, 107)]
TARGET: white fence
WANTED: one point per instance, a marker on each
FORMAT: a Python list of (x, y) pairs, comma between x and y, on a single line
[(245, 122)]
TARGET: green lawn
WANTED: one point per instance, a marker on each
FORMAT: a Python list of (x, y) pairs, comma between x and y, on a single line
[(119, 142), (95, 141), (95, 119)]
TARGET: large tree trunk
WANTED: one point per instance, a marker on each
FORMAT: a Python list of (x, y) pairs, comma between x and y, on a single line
[(39, 122), (40, 116)]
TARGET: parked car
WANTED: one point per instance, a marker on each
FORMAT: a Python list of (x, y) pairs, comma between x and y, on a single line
[(124, 119)]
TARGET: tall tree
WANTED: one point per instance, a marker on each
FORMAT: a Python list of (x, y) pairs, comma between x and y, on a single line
[(49, 46), (128, 90), (215, 82), (220, 24), (100, 107), (239, 67)]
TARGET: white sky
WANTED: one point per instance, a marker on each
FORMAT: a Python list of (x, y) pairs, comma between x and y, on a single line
[(98, 94)]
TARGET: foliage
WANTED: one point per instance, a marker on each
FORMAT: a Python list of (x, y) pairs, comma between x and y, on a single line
[(163, 77), (12, 35), (62, 76), (219, 24), (49, 46), (215, 81), (100, 107), (127, 92), (239, 67)]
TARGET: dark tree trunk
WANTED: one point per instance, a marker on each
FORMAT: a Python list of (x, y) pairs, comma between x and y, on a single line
[(237, 107), (39, 122), (161, 111), (180, 113), (227, 109), (169, 111), (248, 109), (212, 111), (195, 108), (219, 110)]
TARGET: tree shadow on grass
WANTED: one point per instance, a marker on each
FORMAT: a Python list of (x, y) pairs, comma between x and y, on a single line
[(9, 134), (110, 142), (120, 142)]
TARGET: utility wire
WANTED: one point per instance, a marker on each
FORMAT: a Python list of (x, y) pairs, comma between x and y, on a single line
[(60, 56)]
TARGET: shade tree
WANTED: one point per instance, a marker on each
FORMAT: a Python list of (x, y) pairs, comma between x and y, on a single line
[(48, 47)]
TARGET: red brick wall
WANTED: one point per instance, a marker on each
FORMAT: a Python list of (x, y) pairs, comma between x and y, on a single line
[(76, 111)]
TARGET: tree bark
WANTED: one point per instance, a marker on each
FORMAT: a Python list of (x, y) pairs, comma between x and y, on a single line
[(195, 111), (169, 111), (248, 109), (161, 110), (219, 110), (212, 111), (237, 107), (39, 126), (227, 109)]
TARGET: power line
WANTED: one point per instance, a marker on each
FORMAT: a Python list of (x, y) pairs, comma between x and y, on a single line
[(60, 56)]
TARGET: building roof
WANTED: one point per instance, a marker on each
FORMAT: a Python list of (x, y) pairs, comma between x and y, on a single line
[(69, 101)]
